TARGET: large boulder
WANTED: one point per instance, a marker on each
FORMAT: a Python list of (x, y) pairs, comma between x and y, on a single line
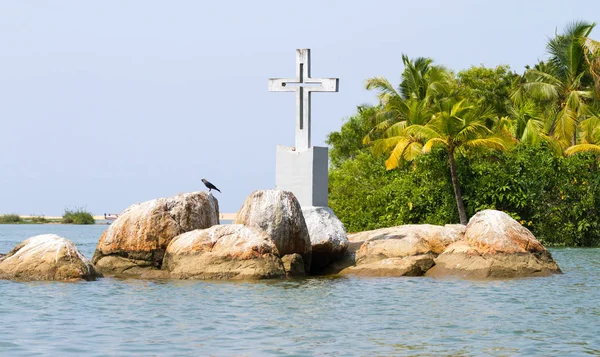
[(327, 236), (396, 251), (223, 252), (495, 246), (280, 215), (46, 257), (136, 241)]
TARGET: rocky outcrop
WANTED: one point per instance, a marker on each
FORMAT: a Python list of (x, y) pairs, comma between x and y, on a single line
[(279, 214), (397, 251), (136, 241), (46, 257), (327, 236), (495, 246), (223, 252)]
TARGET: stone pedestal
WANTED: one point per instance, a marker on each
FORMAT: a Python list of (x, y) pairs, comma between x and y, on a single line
[(304, 173)]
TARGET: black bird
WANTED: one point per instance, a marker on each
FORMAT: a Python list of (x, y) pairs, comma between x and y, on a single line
[(210, 186)]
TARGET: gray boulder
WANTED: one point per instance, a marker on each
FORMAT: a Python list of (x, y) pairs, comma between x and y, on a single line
[(280, 215), (327, 236)]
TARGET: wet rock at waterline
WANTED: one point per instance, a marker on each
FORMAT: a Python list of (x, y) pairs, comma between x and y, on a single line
[(495, 246), (136, 241), (46, 257), (280, 215), (223, 252), (293, 265)]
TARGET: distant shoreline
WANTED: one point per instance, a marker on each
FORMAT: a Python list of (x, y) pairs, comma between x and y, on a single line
[(29, 219)]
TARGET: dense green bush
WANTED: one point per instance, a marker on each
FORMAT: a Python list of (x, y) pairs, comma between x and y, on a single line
[(78, 216), (557, 198), (366, 196), (10, 218)]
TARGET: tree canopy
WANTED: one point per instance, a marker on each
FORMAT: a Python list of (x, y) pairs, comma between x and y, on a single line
[(472, 137)]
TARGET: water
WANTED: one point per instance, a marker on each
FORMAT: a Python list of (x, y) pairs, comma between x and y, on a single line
[(554, 316)]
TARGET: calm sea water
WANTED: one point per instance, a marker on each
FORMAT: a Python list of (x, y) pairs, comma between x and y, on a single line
[(554, 316)]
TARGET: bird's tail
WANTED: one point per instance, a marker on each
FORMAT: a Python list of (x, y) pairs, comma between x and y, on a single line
[(218, 190)]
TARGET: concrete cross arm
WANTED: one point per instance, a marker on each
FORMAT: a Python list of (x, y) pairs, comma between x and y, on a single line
[(325, 84), (279, 85), (311, 84)]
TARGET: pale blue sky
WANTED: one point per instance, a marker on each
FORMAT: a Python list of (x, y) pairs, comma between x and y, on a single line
[(107, 103)]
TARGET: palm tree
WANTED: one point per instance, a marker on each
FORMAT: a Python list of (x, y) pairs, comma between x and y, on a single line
[(454, 125), (395, 140), (592, 57), (530, 125), (426, 112), (589, 133), (563, 81), (420, 82)]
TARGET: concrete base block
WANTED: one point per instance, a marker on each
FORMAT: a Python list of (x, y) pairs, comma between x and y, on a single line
[(304, 173)]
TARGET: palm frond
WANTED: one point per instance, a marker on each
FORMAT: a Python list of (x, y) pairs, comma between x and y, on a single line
[(566, 122), (396, 155), (572, 150), (432, 143), (590, 130), (383, 86), (492, 142), (424, 132), (541, 91), (385, 145), (413, 150)]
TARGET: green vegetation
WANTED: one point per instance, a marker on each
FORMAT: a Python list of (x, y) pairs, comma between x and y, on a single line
[(39, 219), (16, 219), (10, 218), (78, 216), (443, 146)]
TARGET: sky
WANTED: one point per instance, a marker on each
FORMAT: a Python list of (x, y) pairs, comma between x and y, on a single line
[(104, 104)]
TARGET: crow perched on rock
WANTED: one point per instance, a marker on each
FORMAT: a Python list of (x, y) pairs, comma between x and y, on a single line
[(210, 186)]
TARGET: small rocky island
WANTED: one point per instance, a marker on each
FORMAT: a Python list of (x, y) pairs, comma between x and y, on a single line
[(274, 237)]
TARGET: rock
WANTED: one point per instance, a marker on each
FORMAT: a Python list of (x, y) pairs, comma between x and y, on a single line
[(136, 241), (293, 265), (46, 257), (279, 214), (327, 236), (223, 252), (437, 237), (495, 246), (395, 251), (407, 266)]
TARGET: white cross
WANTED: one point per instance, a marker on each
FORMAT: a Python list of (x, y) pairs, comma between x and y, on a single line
[(303, 85)]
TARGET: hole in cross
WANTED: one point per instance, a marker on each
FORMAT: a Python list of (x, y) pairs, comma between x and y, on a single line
[(301, 84)]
